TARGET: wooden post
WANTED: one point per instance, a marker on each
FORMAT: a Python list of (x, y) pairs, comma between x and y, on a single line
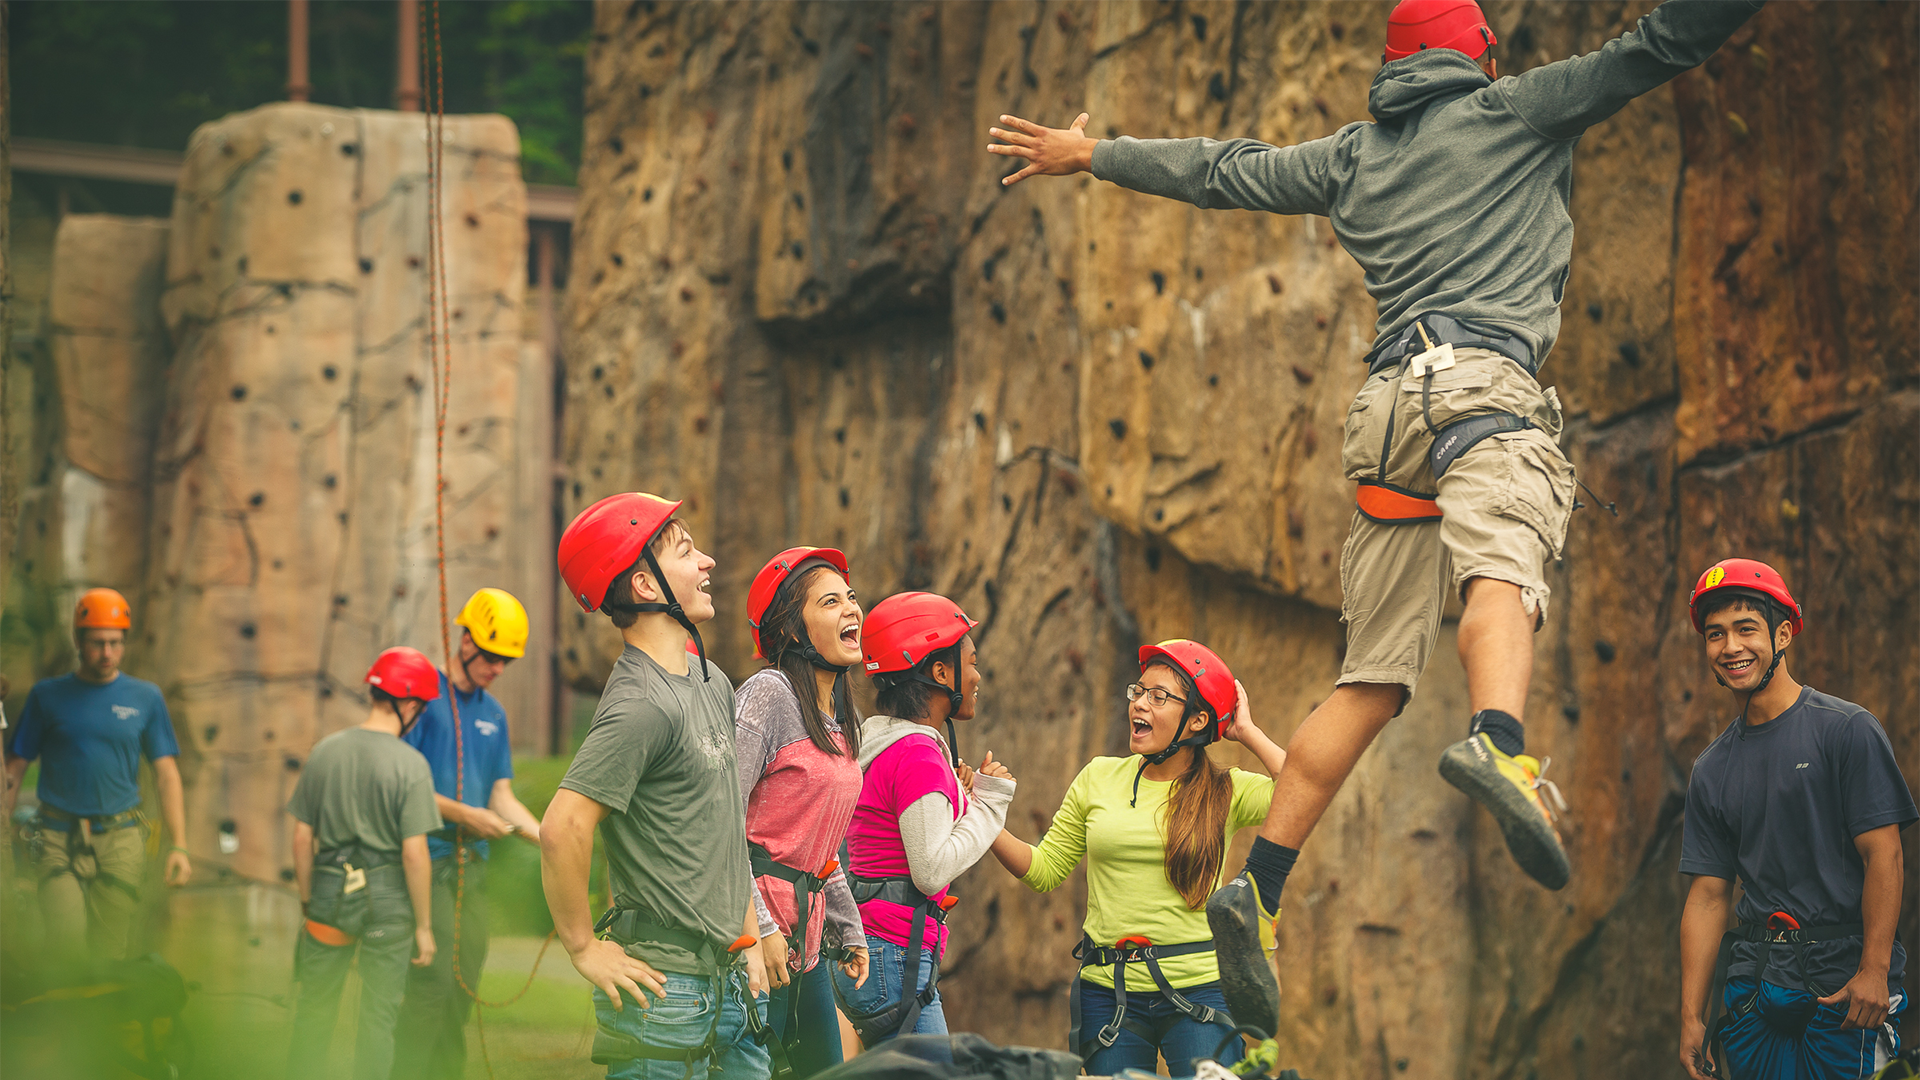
[(406, 91), (298, 89)]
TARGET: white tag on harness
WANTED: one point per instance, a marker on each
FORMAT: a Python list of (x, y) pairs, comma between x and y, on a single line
[(356, 879), (1438, 358)]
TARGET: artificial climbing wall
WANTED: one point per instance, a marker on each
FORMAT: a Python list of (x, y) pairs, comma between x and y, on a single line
[(233, 425), (802, 301)]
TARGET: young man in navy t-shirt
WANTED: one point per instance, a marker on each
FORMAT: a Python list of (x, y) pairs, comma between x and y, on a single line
[(1802, 800), (90, 730), (432, 1037)]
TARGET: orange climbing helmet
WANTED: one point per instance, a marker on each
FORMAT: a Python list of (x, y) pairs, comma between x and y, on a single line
[(771, 576), (1418, 25), (606, 538), (102, 609), (402, 672), (1755, 579)]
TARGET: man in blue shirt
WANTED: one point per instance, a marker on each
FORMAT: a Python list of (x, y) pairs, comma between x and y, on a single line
[(90, 730), (478, 809), (1802, 799)]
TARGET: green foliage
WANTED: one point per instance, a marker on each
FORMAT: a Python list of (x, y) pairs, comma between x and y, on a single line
[(513, 868), (147, 72)]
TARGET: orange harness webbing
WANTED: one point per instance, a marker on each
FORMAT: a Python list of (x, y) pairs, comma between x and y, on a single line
[(1392, 506)]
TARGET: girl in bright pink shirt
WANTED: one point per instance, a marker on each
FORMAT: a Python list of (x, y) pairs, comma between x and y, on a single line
[(922, 817)]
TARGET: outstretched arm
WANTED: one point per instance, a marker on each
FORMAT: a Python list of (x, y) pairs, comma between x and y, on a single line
[(1563, 99), (1243, 174)]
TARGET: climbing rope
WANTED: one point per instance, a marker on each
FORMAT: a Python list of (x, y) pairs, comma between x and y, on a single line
[(440, 360)]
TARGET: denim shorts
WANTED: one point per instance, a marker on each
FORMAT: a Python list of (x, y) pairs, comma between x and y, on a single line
[(681, 1019)]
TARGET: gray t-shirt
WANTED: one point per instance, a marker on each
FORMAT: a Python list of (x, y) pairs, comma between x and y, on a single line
[(365, 787), (660, 756), (1778, 805)]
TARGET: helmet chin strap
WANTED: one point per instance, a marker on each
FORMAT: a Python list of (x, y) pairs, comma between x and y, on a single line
[(1772, 666), (954, 698), (671, 608), (1198, 740), (812, 656)]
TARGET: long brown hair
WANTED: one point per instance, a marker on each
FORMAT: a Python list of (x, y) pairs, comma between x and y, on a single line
[(1196, 825), (783, 634)]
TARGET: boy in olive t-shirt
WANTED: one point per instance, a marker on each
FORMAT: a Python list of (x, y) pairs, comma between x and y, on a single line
[(364, 806), (676, 990)]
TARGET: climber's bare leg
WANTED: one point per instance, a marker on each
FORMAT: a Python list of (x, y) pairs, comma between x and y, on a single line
[(1321, 754), (1496, 647)]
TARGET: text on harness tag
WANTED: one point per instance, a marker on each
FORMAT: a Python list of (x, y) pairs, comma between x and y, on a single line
[(1438, 358)]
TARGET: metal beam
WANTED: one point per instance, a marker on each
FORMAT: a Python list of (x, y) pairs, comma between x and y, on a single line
[(545, 202)]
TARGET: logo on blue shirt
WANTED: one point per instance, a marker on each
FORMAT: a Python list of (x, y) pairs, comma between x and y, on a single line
[(125, 712)]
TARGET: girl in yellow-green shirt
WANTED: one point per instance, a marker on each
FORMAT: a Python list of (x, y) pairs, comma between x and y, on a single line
[(1154, 827)]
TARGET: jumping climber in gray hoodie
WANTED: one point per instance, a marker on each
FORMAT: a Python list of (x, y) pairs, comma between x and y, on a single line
[(1454, 202)]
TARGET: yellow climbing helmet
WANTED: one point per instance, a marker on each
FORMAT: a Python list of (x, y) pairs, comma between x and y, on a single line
[(496, 622)]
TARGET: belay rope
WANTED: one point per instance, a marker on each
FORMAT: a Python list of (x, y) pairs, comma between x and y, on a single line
[(440, 361)]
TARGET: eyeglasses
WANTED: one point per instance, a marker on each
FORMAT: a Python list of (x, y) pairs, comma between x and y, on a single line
[(493, 658), (1155, 696)]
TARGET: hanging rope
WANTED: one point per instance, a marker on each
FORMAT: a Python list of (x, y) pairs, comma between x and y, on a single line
[(440, 360)]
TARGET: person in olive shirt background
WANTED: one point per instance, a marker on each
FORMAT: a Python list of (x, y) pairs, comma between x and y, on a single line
[(90, 729), (364, 807)]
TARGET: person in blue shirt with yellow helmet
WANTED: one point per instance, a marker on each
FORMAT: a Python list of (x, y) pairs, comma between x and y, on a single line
[(482, 808)]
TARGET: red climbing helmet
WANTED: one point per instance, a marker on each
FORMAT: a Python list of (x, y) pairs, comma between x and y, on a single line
[(1748, 576), (607, 538), (405, 673), (1208, 672), (774, 574), (906, 628), (1416, 25)]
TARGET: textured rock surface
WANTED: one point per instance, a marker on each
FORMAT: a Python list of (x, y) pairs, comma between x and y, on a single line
[(801, 301), (292, 484)]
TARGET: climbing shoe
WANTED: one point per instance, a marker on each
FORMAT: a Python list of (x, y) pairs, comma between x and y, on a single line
[(1510, 788), (1243, 936)]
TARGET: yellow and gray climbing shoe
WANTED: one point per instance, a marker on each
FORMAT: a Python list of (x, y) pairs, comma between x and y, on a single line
[(1510, 788), (1243, 936)]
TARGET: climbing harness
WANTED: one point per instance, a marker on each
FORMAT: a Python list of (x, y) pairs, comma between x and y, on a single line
[(1781, 928), (1391, 504), (83, 865), (1134, 950), (904, 1014), (806, 886), (628, 925)]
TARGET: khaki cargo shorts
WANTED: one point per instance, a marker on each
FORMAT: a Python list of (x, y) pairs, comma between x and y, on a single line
[(1504, 506)]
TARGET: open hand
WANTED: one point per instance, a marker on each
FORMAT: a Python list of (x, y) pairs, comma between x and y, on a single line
[(757, 972), (1242, 723), (1048, 151), (607, 966), (1865, 999)]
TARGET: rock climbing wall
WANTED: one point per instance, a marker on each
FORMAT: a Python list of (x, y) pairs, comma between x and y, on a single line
[(91, 382), (293, 526), (801, 300)]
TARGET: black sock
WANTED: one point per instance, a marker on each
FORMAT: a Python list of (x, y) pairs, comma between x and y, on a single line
[(1507, 734), (1269, 864)]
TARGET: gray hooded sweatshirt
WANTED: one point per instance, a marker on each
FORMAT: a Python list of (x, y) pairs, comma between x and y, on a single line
[(1455, 200)]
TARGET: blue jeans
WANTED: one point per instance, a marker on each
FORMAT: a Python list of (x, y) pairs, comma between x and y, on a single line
[(1183, 1038), (818, 1045), (886, 971), (1790, 1036), (682, 1019)]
